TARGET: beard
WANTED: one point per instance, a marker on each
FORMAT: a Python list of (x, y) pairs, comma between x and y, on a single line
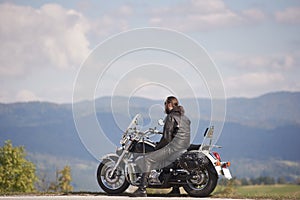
[(167, 111)]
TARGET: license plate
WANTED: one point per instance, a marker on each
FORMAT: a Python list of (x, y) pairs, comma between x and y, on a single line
[(227, 173)]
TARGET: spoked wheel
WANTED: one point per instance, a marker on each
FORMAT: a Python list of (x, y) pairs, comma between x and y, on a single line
[(115, 183), (201, 183)]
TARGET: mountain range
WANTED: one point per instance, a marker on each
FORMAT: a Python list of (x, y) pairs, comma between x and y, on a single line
[(264, 129)]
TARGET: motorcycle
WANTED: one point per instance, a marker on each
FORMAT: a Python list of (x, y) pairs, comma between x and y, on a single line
[(197, 170)]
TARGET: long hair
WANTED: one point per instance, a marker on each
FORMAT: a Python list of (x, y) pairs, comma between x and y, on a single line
[(174, 101)]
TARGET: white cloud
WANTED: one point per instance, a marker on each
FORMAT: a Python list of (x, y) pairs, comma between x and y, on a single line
[(125, 10), (26, 95), (273, 62), (113, 22), (252, 84), (254, 14), (254, 79), (253, 63), (250, 75), (290, 15), (202, 15), (51, 36)]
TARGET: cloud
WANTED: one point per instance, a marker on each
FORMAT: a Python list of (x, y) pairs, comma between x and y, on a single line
[(26, 95), (252, 63), (254, 15), (202, 15), (252, 84), (112, 22), (50, 36), (254, 79), (273, 62), (250, 75), (290, 15), (125, 10)]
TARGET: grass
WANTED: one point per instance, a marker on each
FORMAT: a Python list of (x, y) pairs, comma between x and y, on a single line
[(259, 192), (275, 192)]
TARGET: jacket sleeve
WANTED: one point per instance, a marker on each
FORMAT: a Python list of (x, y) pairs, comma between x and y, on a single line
[(168, 132)]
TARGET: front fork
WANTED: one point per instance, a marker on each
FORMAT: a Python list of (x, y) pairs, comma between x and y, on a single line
[(118, 163)]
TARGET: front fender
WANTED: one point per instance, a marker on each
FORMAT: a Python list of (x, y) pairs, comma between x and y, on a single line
[(110, 157)]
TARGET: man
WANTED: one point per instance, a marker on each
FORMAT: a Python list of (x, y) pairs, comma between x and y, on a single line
[(175, 140)]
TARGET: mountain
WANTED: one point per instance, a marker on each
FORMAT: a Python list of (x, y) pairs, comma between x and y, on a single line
[(267, 111), (256, 130), (41, 127)]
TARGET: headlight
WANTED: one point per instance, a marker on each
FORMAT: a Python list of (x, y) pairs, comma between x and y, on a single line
[(119, 151)]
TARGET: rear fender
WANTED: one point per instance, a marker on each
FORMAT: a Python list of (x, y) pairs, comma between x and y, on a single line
[(219, 170), (211, 160)]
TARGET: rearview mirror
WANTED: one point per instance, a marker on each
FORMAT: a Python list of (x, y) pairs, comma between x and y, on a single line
[(161, 122)]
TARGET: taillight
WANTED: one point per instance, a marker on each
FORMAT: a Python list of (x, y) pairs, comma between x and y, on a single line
[(217, 155), (225, 165)]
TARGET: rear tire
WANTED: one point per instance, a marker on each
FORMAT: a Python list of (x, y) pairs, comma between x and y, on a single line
[(112, 185), (202, 183)]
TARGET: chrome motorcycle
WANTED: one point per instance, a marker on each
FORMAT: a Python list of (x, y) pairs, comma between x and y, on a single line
[(197, 170)]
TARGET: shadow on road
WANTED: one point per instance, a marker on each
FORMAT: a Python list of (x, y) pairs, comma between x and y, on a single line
[(123, 194)]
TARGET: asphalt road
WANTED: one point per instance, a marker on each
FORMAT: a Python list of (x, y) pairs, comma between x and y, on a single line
[(92, 197)]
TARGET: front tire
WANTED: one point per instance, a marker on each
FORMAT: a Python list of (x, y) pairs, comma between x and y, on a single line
[(201, 183), (115, 184)]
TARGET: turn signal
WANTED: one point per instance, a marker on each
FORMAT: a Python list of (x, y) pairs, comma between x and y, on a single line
[(218, 163), (228, 164)]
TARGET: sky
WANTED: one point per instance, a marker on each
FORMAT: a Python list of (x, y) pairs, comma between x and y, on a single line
[(254, 44)]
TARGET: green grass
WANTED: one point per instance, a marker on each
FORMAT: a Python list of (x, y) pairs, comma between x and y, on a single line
[(246, 192), (259, 192)]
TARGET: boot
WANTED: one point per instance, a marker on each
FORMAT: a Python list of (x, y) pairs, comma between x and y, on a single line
[(175, 192), (141, 191)]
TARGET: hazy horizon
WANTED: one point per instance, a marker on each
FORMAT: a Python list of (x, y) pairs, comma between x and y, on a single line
[(152, 99)]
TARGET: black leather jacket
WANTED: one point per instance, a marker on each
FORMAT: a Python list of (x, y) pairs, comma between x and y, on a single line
[(175, 140), (175, 122)]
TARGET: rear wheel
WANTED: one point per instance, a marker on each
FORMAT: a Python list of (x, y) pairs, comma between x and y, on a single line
[(115, 183), (202, 182)]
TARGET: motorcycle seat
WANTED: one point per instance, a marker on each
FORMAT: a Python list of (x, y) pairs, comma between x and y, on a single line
[(194, 147)]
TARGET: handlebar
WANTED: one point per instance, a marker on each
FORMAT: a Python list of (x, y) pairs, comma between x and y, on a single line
[(152, 130), (133, 134)]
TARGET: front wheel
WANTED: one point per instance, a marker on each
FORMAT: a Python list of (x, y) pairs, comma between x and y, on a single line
[(202, 182), (115, 183)]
